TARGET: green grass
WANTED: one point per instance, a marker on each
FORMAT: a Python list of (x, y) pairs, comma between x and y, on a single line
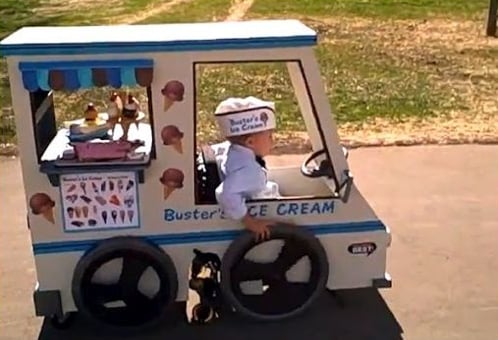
[(364, 76), (359, 87), (386, 9)]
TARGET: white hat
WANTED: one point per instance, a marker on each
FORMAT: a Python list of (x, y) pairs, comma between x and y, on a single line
[(241, 116)]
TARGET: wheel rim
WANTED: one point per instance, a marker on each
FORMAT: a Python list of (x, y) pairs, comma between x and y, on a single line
[(138, 308), (280, 297)]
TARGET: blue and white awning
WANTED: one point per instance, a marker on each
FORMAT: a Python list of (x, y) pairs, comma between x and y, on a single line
[(74, 75)]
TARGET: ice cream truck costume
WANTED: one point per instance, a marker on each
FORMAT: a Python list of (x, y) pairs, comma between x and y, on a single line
[(115, 218)]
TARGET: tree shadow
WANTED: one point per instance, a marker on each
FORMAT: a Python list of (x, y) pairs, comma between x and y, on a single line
[(349, 314)]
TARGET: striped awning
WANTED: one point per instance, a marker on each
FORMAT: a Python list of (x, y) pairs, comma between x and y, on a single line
[(74, 75)]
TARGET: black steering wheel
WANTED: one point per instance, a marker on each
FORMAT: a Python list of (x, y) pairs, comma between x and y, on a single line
[(324, 169)]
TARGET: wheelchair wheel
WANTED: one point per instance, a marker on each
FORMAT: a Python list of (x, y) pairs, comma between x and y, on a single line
[(279, 297), (122, 304)]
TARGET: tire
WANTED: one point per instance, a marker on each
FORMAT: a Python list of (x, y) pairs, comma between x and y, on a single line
[(135, 249), (63, 322), (240, 246)]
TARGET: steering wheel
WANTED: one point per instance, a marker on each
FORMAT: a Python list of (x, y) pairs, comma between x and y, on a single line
[(324, 169)]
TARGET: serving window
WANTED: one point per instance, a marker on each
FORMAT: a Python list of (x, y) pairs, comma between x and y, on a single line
[(76, 103)]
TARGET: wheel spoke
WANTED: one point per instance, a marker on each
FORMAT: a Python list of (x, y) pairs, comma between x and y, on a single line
[(291, 252), (103, 293), (132, 271), (247, 270)]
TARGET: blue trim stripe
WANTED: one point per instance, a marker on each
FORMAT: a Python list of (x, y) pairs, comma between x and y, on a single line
[(75, 64), (205, 236), (173, 46)]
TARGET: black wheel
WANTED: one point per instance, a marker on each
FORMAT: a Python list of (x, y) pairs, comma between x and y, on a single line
[(279, 298), (134, 309), (62, 322)]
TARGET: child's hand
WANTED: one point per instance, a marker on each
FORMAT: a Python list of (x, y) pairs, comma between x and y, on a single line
[(258, 226)]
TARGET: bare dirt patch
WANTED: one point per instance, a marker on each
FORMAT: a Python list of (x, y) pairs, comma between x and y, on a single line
[(54, 7), (239, 9), (149, 11)]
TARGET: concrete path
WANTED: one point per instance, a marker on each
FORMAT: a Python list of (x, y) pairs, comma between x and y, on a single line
[(441, 203)]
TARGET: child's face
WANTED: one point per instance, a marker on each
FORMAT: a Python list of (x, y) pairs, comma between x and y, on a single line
[(261, 142)]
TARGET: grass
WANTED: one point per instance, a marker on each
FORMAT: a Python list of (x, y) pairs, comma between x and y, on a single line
[(383, 9), (372, 65), (359, 87)]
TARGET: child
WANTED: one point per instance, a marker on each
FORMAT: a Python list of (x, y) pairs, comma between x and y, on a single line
[(248, 124)]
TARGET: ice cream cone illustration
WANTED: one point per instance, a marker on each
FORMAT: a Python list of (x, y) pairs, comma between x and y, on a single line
[(167, 103), (42, 204), (264, 117), (173, 91), (49, 215), (167, 191), (171, 179), (85, 211), (171, 135), (122, 215), (178, 146)]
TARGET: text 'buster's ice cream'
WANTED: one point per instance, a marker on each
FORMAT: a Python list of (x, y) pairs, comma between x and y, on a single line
[(171, 135), (171, 179)]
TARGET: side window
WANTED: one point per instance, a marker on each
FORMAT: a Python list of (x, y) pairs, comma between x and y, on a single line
[(60, 92), (52, 112), (271, 81)]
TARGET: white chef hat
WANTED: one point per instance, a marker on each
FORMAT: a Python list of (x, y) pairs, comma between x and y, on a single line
[(242, 116)]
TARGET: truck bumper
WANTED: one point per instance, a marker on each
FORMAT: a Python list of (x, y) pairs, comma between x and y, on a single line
[(47, 302)]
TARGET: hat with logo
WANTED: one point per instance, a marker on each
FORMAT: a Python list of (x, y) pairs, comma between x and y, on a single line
[(242, 116)]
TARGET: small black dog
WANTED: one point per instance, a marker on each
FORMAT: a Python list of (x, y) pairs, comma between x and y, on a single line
[(204, 298)]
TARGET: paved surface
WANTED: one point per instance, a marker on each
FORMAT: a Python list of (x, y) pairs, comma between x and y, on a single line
[(442, 206)]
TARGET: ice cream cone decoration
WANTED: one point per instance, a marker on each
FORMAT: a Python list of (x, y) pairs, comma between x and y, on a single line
[(167, 103), (114, 110), (49, 215), (178, 146), (173, 91), (129, 115), (167, 191), (171, 135), (41, 204), (171, 179)]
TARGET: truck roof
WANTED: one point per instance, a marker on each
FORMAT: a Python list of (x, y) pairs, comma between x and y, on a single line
[(63, 40)]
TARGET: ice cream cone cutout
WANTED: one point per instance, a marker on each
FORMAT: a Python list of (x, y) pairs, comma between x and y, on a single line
[(167, 191), (171, 135), (173, 91), (171, 179), (178, 146), (42, 204)]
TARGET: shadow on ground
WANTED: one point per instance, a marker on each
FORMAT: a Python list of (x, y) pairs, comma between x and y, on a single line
[(354, 314)]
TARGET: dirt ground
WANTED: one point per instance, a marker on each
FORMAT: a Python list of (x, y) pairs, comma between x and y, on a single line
[(440, 203)]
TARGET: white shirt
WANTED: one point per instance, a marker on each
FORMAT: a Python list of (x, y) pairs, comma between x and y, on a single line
[(242, 178)]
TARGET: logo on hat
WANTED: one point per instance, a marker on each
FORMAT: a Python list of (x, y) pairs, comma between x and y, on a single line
[(263, 117)]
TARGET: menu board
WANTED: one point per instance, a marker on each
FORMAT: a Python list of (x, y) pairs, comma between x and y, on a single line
[(99, 200)]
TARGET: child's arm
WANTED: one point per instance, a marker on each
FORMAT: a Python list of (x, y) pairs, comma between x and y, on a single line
[(231, 196)]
